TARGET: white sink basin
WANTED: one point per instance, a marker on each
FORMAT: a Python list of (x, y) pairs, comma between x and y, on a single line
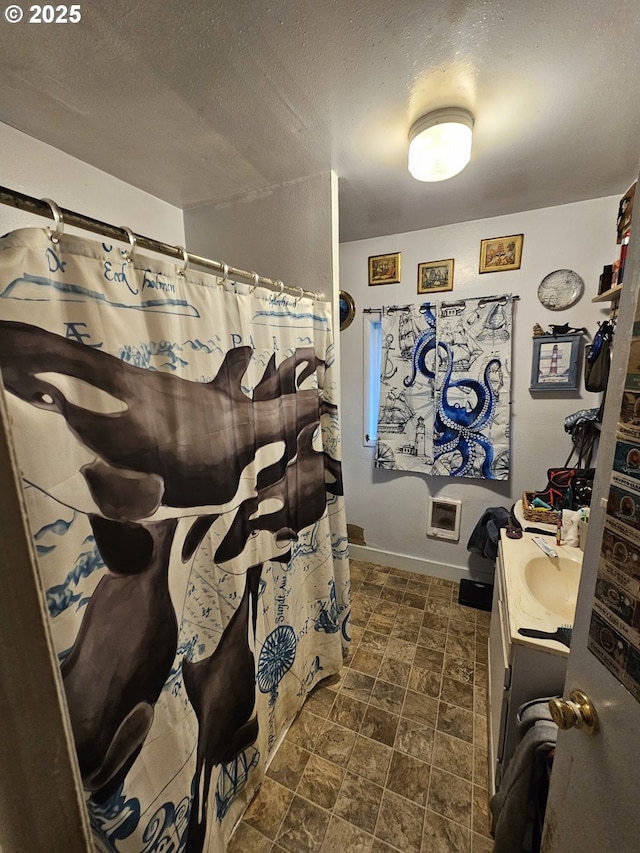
[(553, 582)]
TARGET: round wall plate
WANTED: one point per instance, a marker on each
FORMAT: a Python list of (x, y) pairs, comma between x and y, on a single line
[(560, 289), (347, 309)]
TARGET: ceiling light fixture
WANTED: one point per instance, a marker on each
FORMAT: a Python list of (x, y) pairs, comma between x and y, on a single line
[(440, 144)]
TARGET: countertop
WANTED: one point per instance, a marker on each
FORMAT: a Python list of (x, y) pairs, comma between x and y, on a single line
[(523, 610)]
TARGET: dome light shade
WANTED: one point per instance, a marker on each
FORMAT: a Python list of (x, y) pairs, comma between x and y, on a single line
[(440, 144)]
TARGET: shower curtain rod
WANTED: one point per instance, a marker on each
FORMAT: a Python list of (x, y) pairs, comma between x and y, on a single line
[(62, 216)]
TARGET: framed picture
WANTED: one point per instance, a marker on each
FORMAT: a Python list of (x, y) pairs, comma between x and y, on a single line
[(384, 269), (347, 309), (499, 254), (555, 363), (435, 276)]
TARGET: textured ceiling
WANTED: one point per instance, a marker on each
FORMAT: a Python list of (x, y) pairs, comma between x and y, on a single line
[(210, 101)]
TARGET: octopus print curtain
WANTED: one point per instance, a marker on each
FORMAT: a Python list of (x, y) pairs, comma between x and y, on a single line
[(445, 388), (178, 439)]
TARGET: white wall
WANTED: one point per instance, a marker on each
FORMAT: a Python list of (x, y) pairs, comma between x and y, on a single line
[(285, 233), (392, 506), (36, 169)]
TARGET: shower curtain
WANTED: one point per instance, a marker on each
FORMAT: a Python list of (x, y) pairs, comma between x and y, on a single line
[(445, 388), (179, 443)]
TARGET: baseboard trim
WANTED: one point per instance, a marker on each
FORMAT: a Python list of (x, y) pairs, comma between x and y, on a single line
[(416, 564)]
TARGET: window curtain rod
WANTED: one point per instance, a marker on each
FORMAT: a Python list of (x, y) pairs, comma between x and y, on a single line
[(481, 299), (62, 217)]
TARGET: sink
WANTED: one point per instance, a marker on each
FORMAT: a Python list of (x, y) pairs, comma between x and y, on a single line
[(553, 582)]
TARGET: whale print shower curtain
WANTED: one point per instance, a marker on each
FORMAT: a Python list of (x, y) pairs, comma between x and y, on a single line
[(179, 444), (445, 388)]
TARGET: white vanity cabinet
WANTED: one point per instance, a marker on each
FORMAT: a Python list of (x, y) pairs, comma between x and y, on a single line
[(520, 668)]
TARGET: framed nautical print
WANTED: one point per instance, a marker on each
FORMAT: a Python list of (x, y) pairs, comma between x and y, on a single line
[(435, 276), (384, 269), (555, 362)]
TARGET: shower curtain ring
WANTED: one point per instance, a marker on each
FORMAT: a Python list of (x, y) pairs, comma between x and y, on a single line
[(301, 292), (55, 236), (281, 283), (225, 273), (256, 280), (130, 255), (185, 258)]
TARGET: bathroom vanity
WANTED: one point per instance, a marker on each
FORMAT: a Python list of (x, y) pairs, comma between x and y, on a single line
[(531, 590)]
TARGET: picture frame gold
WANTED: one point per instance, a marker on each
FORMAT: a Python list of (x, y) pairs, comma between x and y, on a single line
[(500, 254), (435, 276), (384, 269)]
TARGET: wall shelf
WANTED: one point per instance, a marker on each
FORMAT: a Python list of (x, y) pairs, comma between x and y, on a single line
[(608, 295)]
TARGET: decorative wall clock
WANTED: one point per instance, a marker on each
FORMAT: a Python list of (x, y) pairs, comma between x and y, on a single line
[(560, 289)]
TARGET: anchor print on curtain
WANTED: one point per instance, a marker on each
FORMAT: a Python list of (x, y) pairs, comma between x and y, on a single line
[(179, 445), (445, 388)]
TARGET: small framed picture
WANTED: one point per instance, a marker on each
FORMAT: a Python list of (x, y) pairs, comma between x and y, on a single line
[(434, 276), (499, 254), (384, 269), (555, 362)]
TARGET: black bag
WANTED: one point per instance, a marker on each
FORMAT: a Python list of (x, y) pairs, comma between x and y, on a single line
[(598, 360)]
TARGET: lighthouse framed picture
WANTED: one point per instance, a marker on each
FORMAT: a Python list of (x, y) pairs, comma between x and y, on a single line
[(555, 363)]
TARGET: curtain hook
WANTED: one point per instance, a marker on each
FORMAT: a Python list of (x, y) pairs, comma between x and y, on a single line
[(256, 280), (185, 258), (301, 293), (55, 236), (129, 257), (225, 273), (281, 286)]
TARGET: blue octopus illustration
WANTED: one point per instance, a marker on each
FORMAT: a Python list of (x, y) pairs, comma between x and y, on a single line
[(424, 345), (459, 428)]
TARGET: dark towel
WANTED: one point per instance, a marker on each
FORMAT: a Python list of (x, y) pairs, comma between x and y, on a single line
[(511, 806), (486, 534)]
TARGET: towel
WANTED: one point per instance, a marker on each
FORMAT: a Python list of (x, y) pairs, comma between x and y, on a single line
[(511, 805), (485, 536)]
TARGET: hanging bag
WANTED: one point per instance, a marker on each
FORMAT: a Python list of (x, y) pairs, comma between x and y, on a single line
[(598, 361)]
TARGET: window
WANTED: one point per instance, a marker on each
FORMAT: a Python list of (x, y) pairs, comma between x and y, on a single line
[(372, 350)]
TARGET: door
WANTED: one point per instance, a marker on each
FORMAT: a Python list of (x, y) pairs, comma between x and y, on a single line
[(594, 796)]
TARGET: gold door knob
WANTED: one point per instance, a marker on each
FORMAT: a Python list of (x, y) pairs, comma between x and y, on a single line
[(576, 712)]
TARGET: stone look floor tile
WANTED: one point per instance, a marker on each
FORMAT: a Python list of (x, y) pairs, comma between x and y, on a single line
[(304, 827), (371, 759), (459, 669), (454, 755), (305, 730), (444, 836), (400, 823), (480, 820), (268, 808), (387, 696), (415, 739), (408, 777), (406, 711), (425, 681), (359, 801), (347, 712), (380, 725), (421, 708), (335, 744), (450, 796), (457, 693), (394, 671), (245, 837), (456, 721), (288, 764), (480, 844), (321, 782), (344, 836)]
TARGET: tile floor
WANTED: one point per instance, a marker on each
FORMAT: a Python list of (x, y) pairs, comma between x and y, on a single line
[(391, 754)]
